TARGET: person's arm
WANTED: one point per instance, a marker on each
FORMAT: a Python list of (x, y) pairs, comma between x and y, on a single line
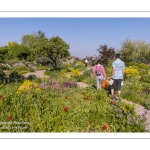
[(104, 74), (112, 72)]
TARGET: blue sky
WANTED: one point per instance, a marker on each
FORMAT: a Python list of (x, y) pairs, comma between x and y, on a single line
[(84, 35)]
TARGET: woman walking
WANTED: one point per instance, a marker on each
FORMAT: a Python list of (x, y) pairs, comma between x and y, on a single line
[(99, 73)]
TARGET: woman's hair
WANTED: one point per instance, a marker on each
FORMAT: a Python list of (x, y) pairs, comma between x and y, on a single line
[(98, 61)]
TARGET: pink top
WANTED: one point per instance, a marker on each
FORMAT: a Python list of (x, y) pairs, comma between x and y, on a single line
[(101, 69)]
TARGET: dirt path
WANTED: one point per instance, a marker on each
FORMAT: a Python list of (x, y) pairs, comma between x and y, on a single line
[(38, 74), (142, 113)]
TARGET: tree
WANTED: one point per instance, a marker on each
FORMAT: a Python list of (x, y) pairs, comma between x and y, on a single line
[(16, 50), (36, 43), (3, 53), (56, 50), (135, 51), (40, 46), (25, 40), (106, 54)]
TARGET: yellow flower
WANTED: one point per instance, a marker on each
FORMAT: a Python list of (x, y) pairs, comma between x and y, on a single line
[(27, 86)]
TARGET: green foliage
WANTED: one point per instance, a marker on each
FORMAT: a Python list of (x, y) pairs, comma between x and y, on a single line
[(2, 74), (43, 60), (43, 67), (78, 65), (54, 75), (3, 53), (18, 51), (145, 78), (147, 104), (135, 51), (80, 78), (138, 65), (87, 73), (106, 54), (87, 110), (49, 72), (3, 67), (31, 77), (57, 49)]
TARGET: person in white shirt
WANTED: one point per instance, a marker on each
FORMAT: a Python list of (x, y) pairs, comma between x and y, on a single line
[(86, 62)]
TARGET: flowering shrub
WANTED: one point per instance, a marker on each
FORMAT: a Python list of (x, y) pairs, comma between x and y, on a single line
[(131, 72), (73, 110), (75, 73), (70, 84), (27, 86)]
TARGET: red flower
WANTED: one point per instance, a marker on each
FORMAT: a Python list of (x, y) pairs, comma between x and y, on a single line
[(90, 121), (3, 98), (113, 103), (66, 96), (10, 118), (87, 98), (105, 127), (65, 108)]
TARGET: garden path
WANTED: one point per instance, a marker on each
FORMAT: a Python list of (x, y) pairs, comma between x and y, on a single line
[(38, 74), (140, 110), (142, 113)]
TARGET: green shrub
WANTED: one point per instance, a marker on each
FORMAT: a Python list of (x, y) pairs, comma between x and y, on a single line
[(38, 80), (147, 103), (54, 75), (3, 67), (49, 72), (31, 77), (145, 78), (43, 60), (2, 74), (79, 78), (87, 73)]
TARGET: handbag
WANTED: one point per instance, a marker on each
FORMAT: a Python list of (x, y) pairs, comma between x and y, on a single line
[(110, 81), (104, 84)]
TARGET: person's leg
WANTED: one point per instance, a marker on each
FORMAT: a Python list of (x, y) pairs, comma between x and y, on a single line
[(112, 89), (119, 88), (97, 82), (101, 78), (85, 64)]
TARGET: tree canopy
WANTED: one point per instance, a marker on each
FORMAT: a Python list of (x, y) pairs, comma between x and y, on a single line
[(106, 54), (135, 51)]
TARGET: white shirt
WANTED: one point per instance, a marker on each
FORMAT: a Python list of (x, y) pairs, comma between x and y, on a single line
[(86, 61)]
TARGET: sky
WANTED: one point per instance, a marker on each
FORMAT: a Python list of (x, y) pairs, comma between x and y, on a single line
[(84, 35)]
